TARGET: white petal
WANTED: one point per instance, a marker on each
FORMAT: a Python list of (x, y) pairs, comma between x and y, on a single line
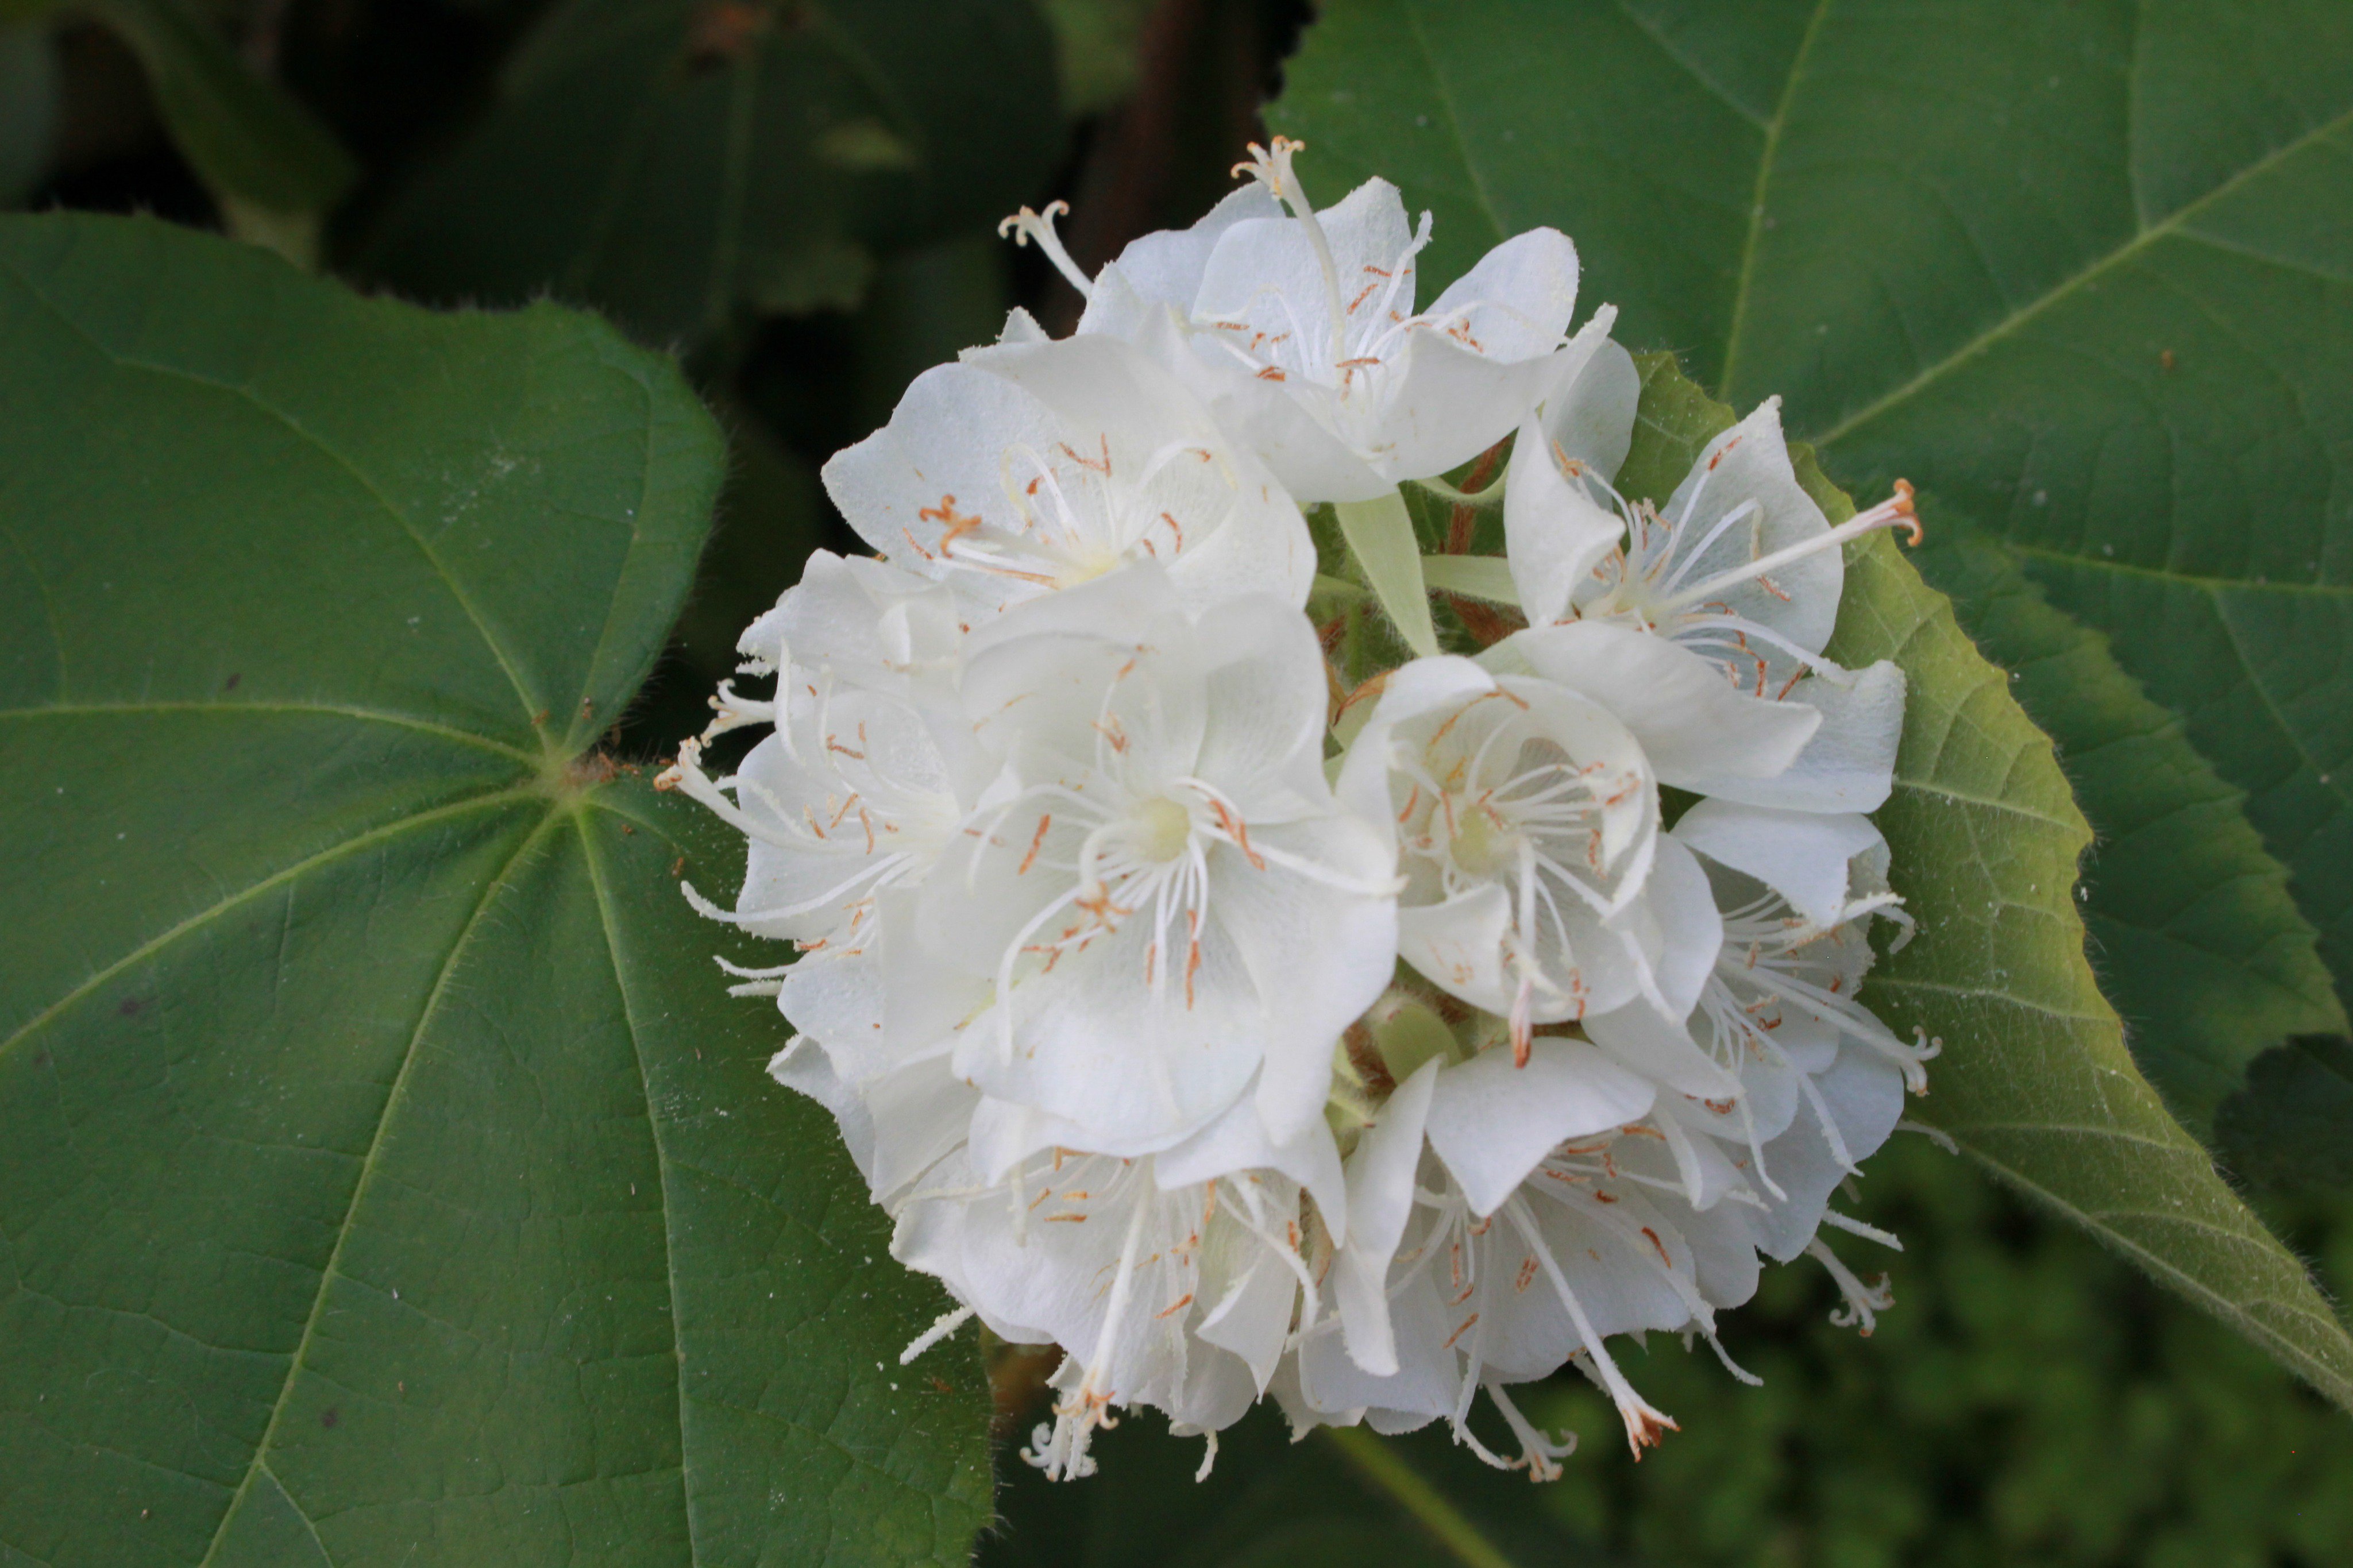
[(1333, 1384), (1849, 764), (1288, 423), (1589, 414), (1421, 687), (1252, 1317), (1267, 696), (1492, 1122), (1368, 231), (1165, 267), (939, 454), (1663, 1052), (1555, 532), (1802, 856), (1864, 1093), (1444, 403), (1690, 930), (1517, 303), (1238, 1142), (921, 1113), (802, 1064), (1750, 463), (1380, 1200), (1695, 728)]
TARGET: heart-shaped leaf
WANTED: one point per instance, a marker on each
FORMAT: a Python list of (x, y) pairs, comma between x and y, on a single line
[(385, 1177)]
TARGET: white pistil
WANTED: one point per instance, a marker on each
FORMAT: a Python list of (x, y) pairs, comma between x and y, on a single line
[(1863, 1302), (1540, 1452), (1271, 168), (1089, 1406), (1026, 225), (1894, 512)]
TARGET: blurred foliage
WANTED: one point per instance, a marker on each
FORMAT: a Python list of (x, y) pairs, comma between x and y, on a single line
[(2284, 1129)]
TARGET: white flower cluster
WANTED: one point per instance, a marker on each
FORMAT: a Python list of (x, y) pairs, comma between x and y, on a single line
[(1102, 880)]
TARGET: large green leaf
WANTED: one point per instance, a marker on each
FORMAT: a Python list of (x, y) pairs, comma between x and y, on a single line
[(674, 160), (384, 1177), (1984, 837), (2014, 252)]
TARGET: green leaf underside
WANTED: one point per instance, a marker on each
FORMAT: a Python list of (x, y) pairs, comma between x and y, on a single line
[(2192, 929), (673, 161), (2079, 272), (1984, 837), (385, 1177)]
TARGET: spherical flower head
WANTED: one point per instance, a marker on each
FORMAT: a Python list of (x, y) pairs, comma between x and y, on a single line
[(1031, 468)]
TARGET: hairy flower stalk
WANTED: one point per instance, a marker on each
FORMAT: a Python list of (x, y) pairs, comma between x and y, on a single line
[(1373, 1055)]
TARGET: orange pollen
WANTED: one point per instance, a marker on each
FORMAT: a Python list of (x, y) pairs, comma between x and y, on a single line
[(1036, 841)]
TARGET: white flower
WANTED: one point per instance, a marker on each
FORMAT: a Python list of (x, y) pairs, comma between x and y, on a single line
[(1592, 1239), (1302, 333), (1098, 971), (1740, 565), (861, 622), (1525, 791), (1158, 897), (1038, 466), (1165, 1288), (1780, 1009)]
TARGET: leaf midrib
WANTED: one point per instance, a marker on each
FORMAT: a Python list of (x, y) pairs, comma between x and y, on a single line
[(2140, 241), (1746, 273), (663, 1162), (327, 1273), (322, 710), (381, 834)]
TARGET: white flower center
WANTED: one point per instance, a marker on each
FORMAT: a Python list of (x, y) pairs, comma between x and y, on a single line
[(1483, 843), (1163, 829)]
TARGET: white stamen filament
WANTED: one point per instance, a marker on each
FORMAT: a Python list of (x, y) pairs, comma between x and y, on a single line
[(1894, 512), (1643, 1423), (941, 1327), (1026, 225)]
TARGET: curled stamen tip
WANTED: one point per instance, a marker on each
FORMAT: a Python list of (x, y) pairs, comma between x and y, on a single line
[(1268, 163), (670, 778), (1645, 1428), (1901, 504), (1028, 222)]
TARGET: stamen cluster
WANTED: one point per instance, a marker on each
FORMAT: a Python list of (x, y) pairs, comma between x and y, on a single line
[(1242, 1029)]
